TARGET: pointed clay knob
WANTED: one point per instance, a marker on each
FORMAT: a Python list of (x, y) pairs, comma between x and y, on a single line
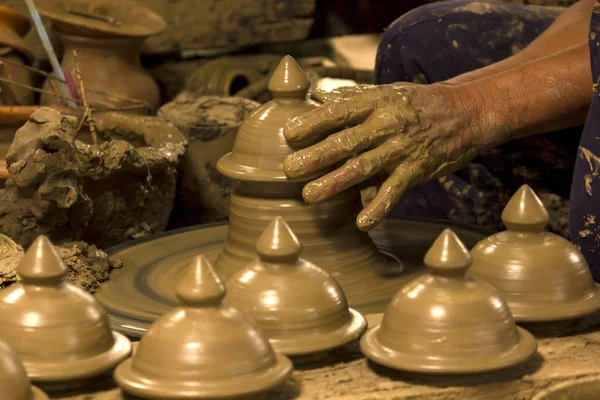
[(289, 80), (42, 264), (278, 242), (200, 286), (448, 255), (525, 212)]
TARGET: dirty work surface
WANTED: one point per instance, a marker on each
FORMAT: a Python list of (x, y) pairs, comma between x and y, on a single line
[(348, 376)]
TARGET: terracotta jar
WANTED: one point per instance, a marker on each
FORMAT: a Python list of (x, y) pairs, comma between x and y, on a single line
[(108, 36)]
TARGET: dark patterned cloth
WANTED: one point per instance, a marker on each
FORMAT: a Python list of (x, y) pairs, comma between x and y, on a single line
[(441, 40), (584, 214)]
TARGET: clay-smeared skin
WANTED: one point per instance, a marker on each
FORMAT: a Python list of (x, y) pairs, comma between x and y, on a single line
[(413, 132)]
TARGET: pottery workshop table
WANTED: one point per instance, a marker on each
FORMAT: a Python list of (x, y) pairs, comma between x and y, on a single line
[(346, 375)]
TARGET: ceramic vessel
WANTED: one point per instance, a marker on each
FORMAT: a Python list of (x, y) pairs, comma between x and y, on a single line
[(329, 235), (301, 308), (542, 276), (579, 389), (108, 36), (59, 331), (14, 383), (203, 349), (444, 322)]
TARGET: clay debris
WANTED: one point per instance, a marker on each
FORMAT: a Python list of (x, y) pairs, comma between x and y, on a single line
[(88, 265), (69, 190)]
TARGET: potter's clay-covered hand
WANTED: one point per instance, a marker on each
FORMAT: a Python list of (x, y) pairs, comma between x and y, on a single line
[(412, 132)]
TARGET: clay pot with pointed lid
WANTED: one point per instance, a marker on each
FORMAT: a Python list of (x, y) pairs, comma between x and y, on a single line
[(329, 236), (445, 322), (301, 308), (542, 276), (202, 349), (59, 331), (14, 383)]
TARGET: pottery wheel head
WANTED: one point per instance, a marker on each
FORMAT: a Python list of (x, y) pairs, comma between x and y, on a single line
[(525, 212)]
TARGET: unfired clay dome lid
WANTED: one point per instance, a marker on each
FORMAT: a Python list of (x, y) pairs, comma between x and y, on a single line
[(444, 322), (542, 276), (14, 383), (13, 26), (101, 17), (260, 147), (202, 349), (301, 308), (59, 331)]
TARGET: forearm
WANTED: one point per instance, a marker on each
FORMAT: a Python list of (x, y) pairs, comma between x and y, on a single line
[(543, 95), (569, 29)]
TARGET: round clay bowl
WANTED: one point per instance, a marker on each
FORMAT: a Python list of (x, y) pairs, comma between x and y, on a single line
[(542, 276), (301, 308), (14, 383), (133, 19), (580, 389), (59, 331), (444, 322), (202, 349)]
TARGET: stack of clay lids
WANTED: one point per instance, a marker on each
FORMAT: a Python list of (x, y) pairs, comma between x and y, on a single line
[(301, 308), (13, 26), (260, 147), (98, 18), (202, 349), (14, 383), (444, 322), (59, 331), (542, 276)]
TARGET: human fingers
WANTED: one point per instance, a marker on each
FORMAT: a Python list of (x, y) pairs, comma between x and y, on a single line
[(336, 147), (341, 93), (352, 173), (328, 117), (388, 196)]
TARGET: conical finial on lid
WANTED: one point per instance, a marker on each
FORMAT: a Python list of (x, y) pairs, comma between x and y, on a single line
[(200, 286), (288, 80), (525, 212), (42, 264), (448, 255), (278, 242)]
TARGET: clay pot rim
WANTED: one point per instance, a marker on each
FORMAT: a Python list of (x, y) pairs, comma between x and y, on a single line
[(38, 394), (245, 173), (84, 368), (373, 350), (553, 312), (261, 381), (304, 344), (563, 385)]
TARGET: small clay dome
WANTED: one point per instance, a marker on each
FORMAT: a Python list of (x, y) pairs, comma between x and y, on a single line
[(260, 147), (59, 331), (301, 308), (444, 322), (202, 349), (102, 17), (542, 276), (14, 383)]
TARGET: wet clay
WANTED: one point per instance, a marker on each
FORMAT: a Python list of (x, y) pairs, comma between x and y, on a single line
[(14, 383), (300, 307), (210, 125), (542, 276), (59, 332), (108, 37), (445, 322), (330, 238), (69, 190), (202, 349)]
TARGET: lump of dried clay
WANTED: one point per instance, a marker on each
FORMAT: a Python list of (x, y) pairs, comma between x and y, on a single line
[(104, 194), (210, 124)]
